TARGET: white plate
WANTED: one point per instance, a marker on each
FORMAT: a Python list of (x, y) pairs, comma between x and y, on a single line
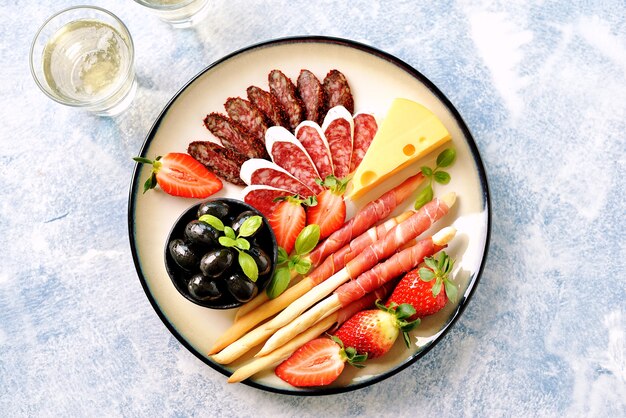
[(376, 78)]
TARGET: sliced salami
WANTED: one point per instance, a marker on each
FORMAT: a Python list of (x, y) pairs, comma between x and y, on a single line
[(365, 128), (286, 151), (267, 103), (224, 162), (314, 142), (338, 126), (285, 92), (257, 171), (262, 198), (248, 116), (234, 136), (311, 92), (337, 91)]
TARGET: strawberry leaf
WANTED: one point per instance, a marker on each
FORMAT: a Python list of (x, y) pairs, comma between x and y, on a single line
[(451, 290), (405, 310), (430, 262), (436, 288), (426, 274)]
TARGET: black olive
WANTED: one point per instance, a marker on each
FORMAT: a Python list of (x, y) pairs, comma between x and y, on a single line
[(203, 288), (242, 288), (263, 261), (215, 262), (201, 233), (183, 254), (239, 220), (215, 208)]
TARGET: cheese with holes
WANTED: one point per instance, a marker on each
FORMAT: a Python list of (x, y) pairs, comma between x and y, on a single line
[(409, 132)]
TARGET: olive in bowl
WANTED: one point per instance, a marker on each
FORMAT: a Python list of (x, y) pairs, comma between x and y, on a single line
[(220, 253)]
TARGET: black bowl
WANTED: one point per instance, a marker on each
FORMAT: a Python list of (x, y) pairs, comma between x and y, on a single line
[(264, 238)]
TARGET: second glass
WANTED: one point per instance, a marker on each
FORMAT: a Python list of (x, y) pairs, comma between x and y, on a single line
[(178, 13)]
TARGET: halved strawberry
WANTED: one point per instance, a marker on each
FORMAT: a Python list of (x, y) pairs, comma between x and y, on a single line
[(288, 219), (317, 363), (374, 331), (180, 174), (427, 289), (330, 211)]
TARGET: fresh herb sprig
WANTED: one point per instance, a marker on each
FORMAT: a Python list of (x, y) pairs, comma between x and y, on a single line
[(305, 242), (238, 241), (445, 159), (439, 268)]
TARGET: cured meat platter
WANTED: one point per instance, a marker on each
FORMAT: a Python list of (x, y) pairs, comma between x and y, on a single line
[(376, 79)]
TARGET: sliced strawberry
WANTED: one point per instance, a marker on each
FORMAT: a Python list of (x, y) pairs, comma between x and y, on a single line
[(180, 174), (330, 211), (317, 363), (287, 220)]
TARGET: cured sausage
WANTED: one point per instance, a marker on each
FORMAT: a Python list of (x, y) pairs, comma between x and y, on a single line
[(285, 92), (234, 136), (314, 142), (262, 197), (365, 128), (286, 151), (267, 103), (262, 172), (311, 92), (338, 127), (224, 162), (337, 91), (248, 116)]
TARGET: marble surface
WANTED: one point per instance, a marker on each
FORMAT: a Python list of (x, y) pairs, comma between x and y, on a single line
[(541, 84)]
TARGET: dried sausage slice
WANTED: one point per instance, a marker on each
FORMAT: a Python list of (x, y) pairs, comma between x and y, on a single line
[(262, 197), (285, 92), (234, 136), (262, 172), (314, 142), (365, 128), (338, 126), (311, 92), (248, 116), (268, 105), (224, 162), (286, 151), (337, 91)]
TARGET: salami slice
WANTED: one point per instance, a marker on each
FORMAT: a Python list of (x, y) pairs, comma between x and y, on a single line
[(266, 173), (365, 128), (337, 91), (262, 198), (268, 105), (311, 92), (338, 126), (234, 136), (224, 162), (248, 116), (286, 151), (285, 92), (314, 142)]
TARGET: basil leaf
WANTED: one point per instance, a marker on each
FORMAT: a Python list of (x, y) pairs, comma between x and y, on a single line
[(282, 257), (214, 221), (248, 265), (279, 282), (451, 290), (426, 274), (307, 239), (250, 226), (427, 171), (227, 242), (242, 244), (446, 157), (303, 266), (442, 177), (229, 232), (424, 197)]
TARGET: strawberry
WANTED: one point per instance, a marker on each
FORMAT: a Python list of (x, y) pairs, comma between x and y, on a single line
[(427, 288), (180, 174), (330, 211), (374, 331), (288, 219), (318, 362)]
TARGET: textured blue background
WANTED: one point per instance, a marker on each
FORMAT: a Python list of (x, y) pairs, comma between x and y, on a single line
[(541, 84)]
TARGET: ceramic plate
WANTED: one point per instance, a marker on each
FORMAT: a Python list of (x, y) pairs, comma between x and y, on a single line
[(376, 78)]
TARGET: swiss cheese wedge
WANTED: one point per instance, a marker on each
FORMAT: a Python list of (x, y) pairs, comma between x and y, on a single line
[(408, 132)]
